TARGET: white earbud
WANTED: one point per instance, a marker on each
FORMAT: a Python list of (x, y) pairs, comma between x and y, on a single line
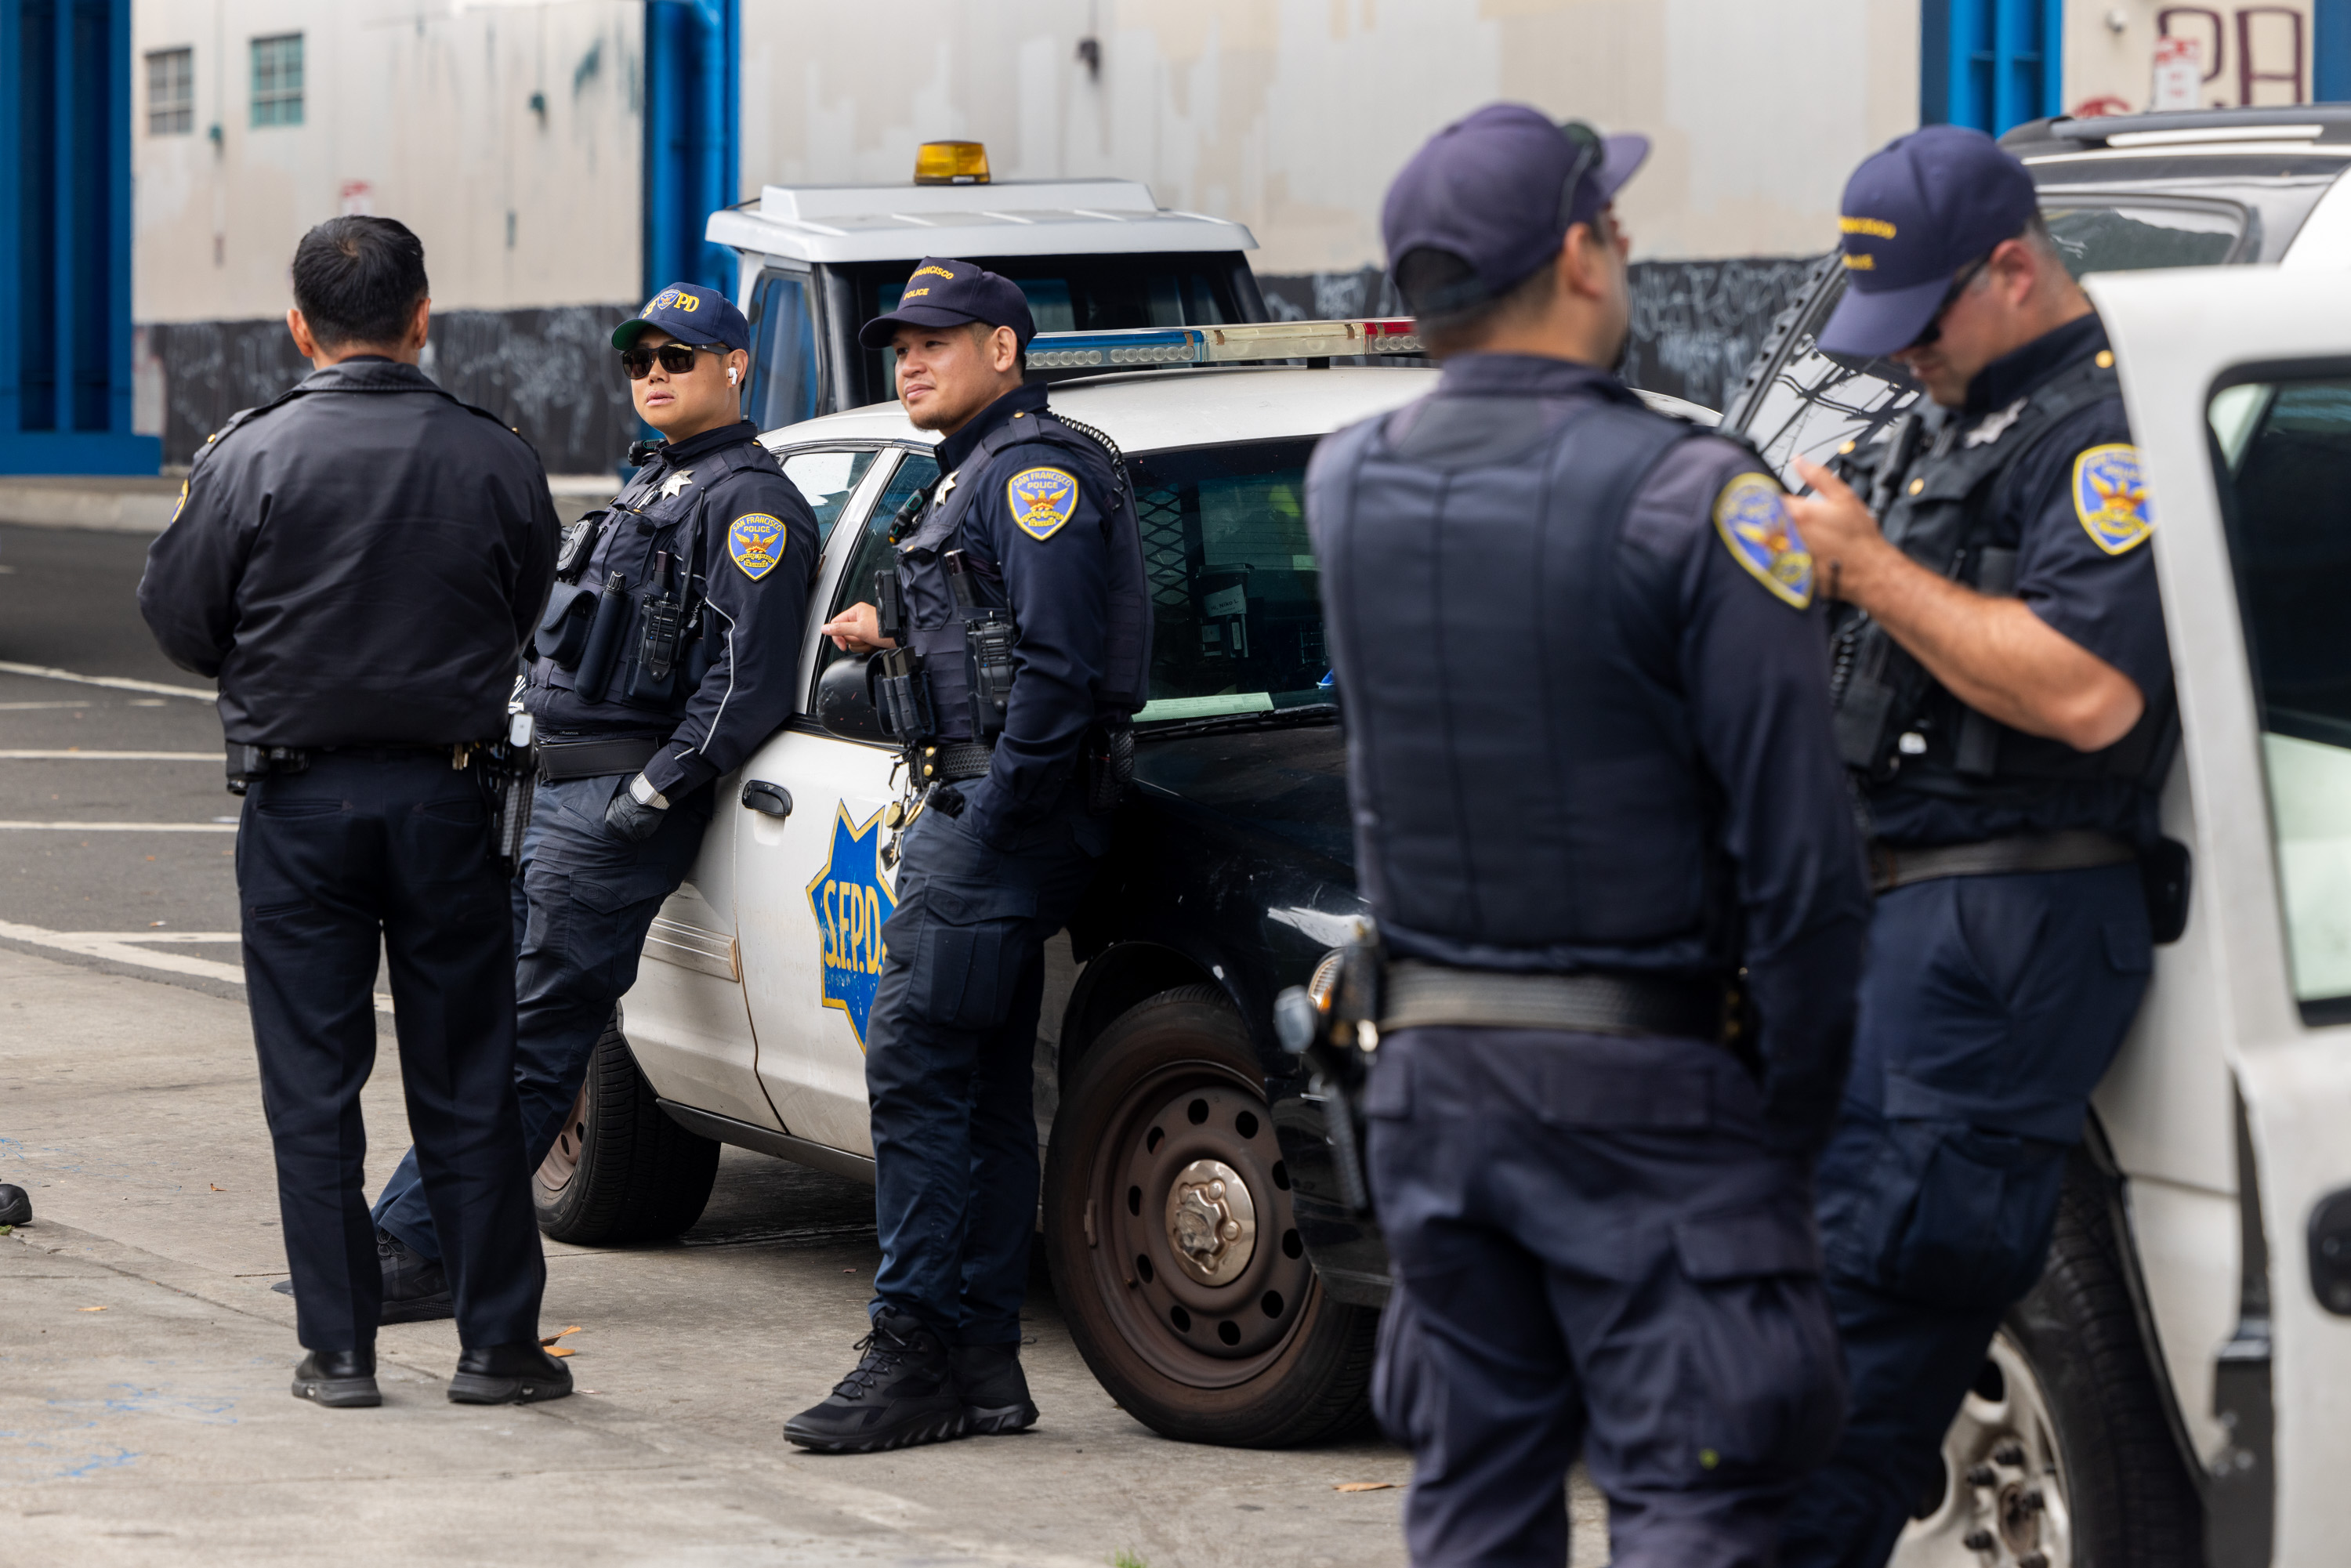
[(730, 375)]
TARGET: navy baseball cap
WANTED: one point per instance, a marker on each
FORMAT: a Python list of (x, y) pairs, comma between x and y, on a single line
[(691, 314), (1492, 194), (1915, 213), (943, 293)]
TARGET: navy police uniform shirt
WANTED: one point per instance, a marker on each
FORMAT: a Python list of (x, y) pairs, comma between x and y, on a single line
[(1036, 541), (755, 555), (358, 562), (2083, 567)]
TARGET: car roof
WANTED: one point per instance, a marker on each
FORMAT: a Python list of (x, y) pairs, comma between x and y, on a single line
[(1010, 218), (1158, 410), (2310, 141)]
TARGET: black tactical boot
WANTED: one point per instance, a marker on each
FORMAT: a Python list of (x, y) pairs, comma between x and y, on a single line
[(340, 1378), (508, 1374), (415, 1288), (995, 1395), (902, 1393)]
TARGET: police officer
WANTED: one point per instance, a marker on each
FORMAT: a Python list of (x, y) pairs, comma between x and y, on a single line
[(1593, 778), (1023, 601), (2005, 705), (358, 562), (665, 655)]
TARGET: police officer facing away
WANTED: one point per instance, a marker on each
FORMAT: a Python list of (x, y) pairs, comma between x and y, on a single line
[(1592, 776), (1025, 567), (2005, 703), (358, 562), (665, 655)]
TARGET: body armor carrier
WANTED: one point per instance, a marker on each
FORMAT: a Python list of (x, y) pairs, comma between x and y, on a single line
[(1938, 507)]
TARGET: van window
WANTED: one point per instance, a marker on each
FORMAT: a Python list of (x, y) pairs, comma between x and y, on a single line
[(2284, 451), (783, 352)]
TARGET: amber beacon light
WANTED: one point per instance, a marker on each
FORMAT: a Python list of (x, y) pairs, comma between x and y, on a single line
[(951, 164)]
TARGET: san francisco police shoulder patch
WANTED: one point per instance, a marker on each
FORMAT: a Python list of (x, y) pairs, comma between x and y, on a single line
[(2110, 497), (1041, 500), (1752, 515), (757, 542)]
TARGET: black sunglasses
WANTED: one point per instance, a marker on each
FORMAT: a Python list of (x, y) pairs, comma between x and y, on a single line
[(1934, 333), (675, 358)]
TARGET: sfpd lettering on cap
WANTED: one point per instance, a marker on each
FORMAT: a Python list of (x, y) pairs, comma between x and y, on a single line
[(1752, 515)]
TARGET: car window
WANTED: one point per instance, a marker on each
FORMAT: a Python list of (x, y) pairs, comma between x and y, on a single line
[(827, 479), (784, 387), (875, 551), (2283, 453)]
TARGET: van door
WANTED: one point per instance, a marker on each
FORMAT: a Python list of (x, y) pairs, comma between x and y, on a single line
[(2239, 388)]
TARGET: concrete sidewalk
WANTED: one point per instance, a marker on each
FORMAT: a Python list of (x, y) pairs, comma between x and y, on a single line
[(144, 1415)]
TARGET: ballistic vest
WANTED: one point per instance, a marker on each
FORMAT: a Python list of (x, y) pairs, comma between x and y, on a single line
[(936, 623), (1527, 794)]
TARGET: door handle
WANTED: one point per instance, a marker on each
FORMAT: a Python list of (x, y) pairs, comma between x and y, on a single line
[(769, 800)]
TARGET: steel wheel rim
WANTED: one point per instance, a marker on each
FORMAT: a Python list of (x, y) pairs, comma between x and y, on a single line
[(2005, 1502), (563, 1161), (1245, 1313)]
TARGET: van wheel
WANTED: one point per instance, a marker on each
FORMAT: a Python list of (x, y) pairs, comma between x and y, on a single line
[(2061, 1454), (1174, 1250), (621, 1169)]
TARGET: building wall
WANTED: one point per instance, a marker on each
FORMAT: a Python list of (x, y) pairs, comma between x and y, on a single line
[(2109, 69)]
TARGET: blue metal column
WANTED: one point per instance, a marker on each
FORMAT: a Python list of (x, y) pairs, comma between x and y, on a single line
[(1990, 64), (693, 96), (65, 240), (2330, 51)]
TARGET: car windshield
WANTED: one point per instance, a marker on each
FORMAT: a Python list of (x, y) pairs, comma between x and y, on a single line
[(1815, 405)]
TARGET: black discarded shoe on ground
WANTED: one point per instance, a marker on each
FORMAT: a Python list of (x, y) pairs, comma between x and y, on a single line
[(415, 1288), (508, 1374), (995, 1394), (16, 1205), (341, 1379), (902, 1393)]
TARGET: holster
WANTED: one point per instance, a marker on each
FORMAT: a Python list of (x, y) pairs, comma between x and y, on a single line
[(247, 763), (1106, 764), (1330, 1025)]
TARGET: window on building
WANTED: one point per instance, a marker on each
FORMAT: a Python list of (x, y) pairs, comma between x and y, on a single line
[(278, 79), (171, 92)]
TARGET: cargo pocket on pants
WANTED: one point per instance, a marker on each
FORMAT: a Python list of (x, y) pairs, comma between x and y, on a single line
[(1760, 1381), (971, 951), (1974, 1232)]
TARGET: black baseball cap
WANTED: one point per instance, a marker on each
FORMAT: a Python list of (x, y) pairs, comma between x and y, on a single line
[(1496, 194), (692, 314), (943, 293), (1915, 213)]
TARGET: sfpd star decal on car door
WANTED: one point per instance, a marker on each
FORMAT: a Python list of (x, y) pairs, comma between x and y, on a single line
[(850, 901)]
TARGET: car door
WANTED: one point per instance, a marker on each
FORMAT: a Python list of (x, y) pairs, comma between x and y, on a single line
[(812, 891), (2238, 384)]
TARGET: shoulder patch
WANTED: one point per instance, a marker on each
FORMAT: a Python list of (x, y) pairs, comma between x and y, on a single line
[(755, 540), (2110, 497), (1041, 500), (1752, 515), (183, 504)]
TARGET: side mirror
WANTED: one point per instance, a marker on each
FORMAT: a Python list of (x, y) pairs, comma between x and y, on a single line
[(843, 704)]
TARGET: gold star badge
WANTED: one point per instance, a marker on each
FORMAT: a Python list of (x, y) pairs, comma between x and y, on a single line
[(676, 483)]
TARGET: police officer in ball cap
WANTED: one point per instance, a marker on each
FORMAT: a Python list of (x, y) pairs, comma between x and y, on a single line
[(2008, 721), (665, 655), (358, 563), (1594, 786), (1019, 636)]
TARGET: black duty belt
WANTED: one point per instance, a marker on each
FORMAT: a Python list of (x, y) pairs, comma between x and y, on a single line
[(594, 756), (1430, 995), (2073, 849), (960, 760)]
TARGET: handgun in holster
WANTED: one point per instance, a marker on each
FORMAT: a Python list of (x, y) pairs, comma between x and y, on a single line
[(247, 763), (894, 679), (1331, 1025)]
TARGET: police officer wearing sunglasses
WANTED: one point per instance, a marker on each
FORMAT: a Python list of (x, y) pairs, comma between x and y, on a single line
[(1593, 783), (2005, 707), (665, 655)]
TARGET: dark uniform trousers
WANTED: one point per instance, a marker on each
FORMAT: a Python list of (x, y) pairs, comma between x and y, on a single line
[(949, 1064), (1594, 1249), (590, 898), (387, 852), (1935, 1212)]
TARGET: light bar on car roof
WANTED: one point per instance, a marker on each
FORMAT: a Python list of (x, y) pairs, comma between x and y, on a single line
[(1237, 345)]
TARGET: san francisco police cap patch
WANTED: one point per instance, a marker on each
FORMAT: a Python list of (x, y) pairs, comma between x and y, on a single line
[(757, 542), (2110, 497), (1752, 515), (1041, 500)]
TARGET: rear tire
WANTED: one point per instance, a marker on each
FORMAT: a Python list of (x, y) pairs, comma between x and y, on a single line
[(2068, 1387), (1193, 1303), (621, 1170)]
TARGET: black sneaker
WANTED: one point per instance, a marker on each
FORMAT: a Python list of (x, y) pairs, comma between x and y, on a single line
[(415, 1288), (902, 1393), (994, 1393), (508, 1374), (339, 1378)]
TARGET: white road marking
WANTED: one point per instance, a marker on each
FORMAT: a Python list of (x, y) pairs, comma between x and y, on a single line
[(118, 683), (28, 707), (76, 755), (119, 827), (136, 949)]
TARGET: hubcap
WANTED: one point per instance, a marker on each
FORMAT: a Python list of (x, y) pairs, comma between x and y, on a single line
[(2003, 1501), (555, 1172), (1211, 1222)]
